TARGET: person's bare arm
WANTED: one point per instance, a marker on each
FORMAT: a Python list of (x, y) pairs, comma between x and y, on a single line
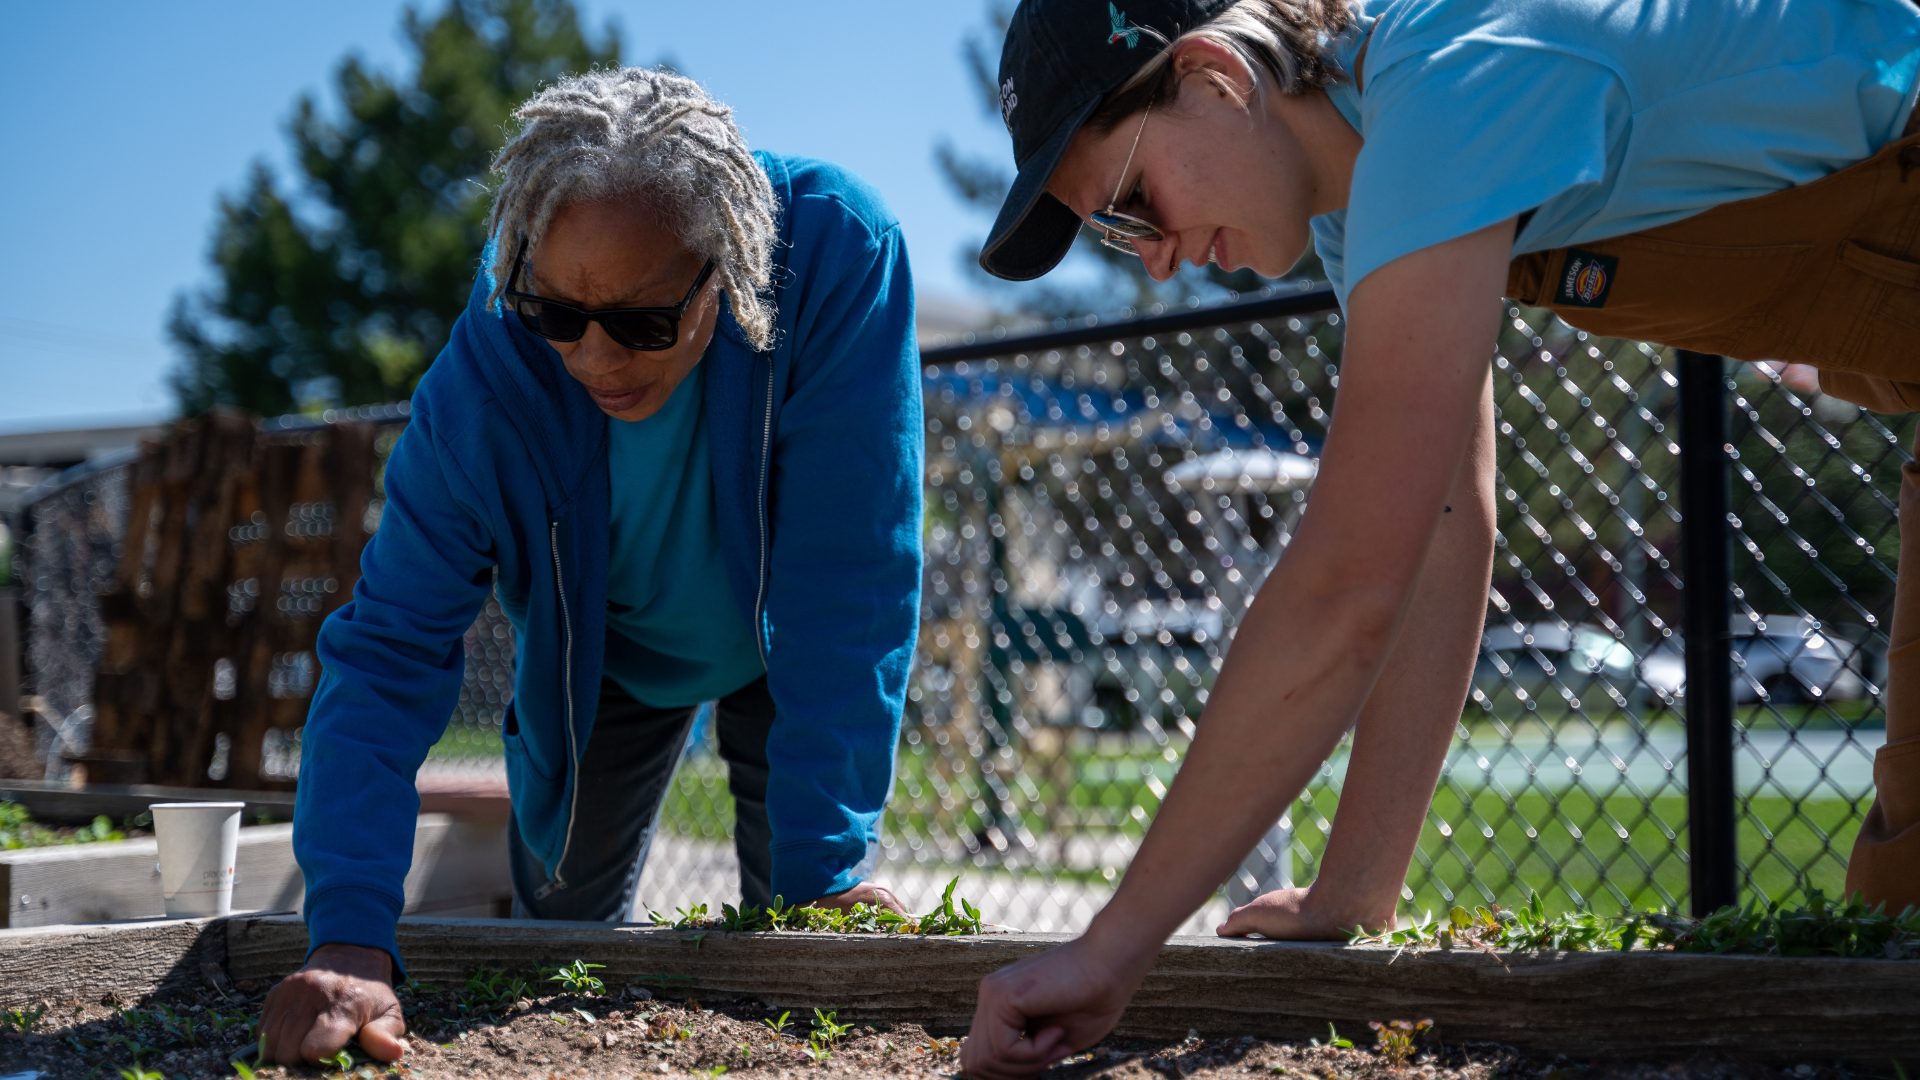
[(343, 992), (1404, 729), (1306, 655)]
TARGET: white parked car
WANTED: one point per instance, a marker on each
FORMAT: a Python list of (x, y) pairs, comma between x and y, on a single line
[(1782, 659)]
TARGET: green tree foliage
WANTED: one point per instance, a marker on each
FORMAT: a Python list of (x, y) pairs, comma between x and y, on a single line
[(1117, 279), (342, 290)]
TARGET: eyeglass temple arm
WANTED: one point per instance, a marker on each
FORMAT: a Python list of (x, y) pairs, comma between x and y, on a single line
[(1128, 164), (513, 275), (705, 273)]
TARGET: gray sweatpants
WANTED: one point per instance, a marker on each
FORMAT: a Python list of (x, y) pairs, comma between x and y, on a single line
[(624, 772)]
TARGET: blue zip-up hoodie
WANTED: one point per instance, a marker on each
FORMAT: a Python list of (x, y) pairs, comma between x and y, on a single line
[(500, 481)]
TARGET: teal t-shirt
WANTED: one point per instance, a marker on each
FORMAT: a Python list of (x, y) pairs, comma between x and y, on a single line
[(1605, 117), (674, 634)]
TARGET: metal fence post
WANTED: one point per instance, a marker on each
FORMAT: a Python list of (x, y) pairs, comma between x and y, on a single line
[(13, 643), (1705, 545)]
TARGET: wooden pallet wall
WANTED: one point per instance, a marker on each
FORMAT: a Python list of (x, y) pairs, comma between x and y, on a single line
[(239, 542)]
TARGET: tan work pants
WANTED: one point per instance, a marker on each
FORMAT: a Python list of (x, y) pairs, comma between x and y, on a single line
[(1826, 274), (1886, 858)]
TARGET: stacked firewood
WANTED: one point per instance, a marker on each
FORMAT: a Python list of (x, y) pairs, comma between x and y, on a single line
[(239, 542)]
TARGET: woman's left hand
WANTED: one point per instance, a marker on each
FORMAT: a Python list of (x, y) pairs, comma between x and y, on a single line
[(867, 893)]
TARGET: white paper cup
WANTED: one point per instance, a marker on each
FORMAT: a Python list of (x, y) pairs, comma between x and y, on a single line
[(199, 842)]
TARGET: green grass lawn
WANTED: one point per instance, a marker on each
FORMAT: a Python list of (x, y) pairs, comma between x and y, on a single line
[(468, 743), (1566, 845)]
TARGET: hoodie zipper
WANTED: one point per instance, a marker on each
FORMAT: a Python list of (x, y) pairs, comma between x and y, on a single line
[(766, 456), (566, 684)]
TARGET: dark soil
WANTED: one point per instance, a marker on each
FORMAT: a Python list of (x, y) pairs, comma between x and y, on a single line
[(191, 1036)]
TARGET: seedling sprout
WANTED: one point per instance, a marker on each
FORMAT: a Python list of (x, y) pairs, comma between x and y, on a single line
[(827, 1029), (1396, 1040), (575, 978)]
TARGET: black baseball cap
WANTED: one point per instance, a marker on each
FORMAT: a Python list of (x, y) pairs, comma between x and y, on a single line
[(1062, 57)]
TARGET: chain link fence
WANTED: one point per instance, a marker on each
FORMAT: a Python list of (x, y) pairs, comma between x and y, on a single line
[(1103, 502), (72, 529)]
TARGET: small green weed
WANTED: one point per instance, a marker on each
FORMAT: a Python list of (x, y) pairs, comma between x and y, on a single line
[(1334, 1040), (180, 1028), (949, 918), (19, 830), (1819, 927), (490, 987), (22, 1020), (222, 1021), (817, 1052), (779, 1026), (711, 1074), (241, 1069), (140, 1073), (946, 920), (1396, 1040), (827, 1028), (577, 978)]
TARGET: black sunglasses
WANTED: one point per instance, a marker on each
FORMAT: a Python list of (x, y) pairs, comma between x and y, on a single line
[(646, 329)]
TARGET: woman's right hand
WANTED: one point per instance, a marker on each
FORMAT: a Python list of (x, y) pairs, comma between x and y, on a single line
[(1044, 1009), (343, 992)]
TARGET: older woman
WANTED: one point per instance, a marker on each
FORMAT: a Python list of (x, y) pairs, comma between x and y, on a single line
[(678, 430), (1729, 176)]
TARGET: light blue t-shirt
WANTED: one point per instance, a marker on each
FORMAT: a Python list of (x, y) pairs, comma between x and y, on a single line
[(1606, 117), (674, 634)]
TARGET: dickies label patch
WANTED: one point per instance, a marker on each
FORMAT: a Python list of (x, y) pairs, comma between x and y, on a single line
[(1586, 279)]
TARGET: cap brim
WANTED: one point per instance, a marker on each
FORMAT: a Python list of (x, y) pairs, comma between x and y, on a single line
[(1035, 230)]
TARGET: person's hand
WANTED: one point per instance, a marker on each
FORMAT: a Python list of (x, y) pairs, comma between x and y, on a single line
[(344, 991), (1046, 1008), (1301, 915), (867, 893)]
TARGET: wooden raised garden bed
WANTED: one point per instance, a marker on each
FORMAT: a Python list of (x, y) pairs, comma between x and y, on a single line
[(459, 868), (1609, 1004)]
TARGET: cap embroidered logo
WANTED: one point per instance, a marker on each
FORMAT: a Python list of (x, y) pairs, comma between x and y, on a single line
[(1121, 31), (1008, 99)]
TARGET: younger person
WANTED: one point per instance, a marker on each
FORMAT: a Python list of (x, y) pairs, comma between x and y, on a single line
[(1730, 176)]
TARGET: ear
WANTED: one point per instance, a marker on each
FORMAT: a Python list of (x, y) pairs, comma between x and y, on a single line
[(1222, 70)]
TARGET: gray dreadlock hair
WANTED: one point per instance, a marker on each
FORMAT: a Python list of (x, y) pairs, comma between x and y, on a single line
[(651, 134)]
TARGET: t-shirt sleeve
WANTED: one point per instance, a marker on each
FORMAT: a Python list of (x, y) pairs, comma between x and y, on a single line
[(1330, 243), (1462, 137)]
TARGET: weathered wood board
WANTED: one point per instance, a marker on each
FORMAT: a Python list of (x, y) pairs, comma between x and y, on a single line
[(1642, 1004), (58, 804), (132, 960), (459, 868)]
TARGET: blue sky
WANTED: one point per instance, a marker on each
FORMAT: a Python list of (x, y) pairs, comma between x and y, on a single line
[(125, 121)]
